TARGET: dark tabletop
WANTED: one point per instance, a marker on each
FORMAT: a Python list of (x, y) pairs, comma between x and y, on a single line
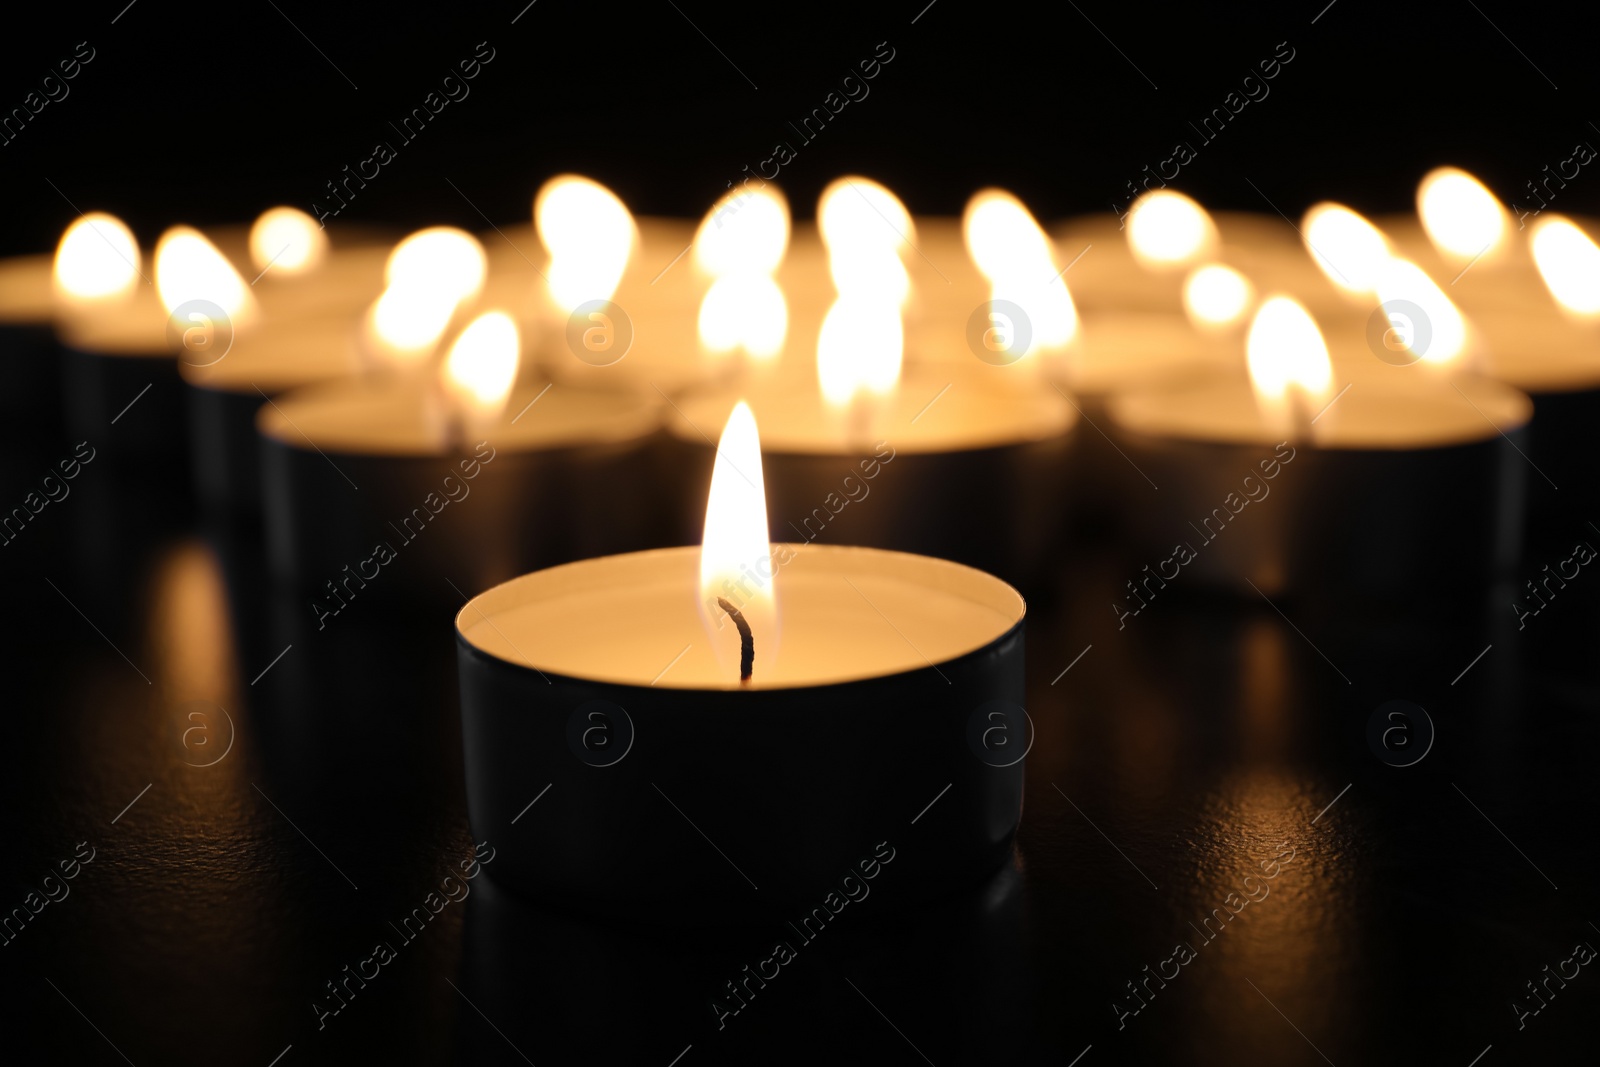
[(263, 801)]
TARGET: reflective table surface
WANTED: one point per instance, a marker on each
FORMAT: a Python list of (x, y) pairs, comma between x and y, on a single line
[(227, 831)]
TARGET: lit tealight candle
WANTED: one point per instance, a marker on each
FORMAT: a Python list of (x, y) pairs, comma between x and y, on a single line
[(1014, 254), (740, 246), (663, 669), (287, 240), (1343, 481), (1349, 250), (1549, 345), (1217, 298), (1138, 299), (96, 264), (118, 357), (461, 478), (428, 276), (867, 426)]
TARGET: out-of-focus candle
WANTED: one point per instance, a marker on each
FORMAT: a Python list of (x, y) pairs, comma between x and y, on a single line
[(1341, 481), (392, 461)]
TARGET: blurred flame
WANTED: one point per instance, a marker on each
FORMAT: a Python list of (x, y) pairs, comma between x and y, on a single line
[(743, 233), (745, 312), (1569, 263), (404, 324), (189, 267), (97, 259), (859, 350), (1288, 360), (441, 258), (1444, 327), (735, 554), (1462, 217), (740, 243), (589, 234), (288, 241), (1013, 252), (482, 365), (866, 229), (1167, 229), (1351, 251), (1216, 296)]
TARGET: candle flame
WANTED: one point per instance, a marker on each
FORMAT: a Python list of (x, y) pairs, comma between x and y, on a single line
[(866, 230), (859, 350), (1464, 220), (589, 233), (482, 365), (404, 324), (441, 258), (1216, 297), (1351, 251), (1012, 251), (97, 259), (1442, 335), (743, 233), (1288, 360), (189, 268), (1569, 263), (286, 240), (745, 312), (740, 243), (736, 563), (1167, 229)]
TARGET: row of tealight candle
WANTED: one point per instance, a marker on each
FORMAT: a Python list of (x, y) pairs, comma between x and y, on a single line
[(961, 354), (1337, 411)]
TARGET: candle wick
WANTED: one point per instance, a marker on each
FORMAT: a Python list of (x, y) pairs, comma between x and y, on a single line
[(747, 641)]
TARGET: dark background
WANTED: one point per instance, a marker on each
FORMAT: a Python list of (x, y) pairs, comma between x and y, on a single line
[(1174, 756), (207, 113)]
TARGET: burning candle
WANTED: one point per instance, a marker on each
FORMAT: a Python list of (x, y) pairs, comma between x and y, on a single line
[(1340, 482), (1137, 295), (118, 357), (611, 688), (740, 246), (1549, 345), (429, 278), (867, 451), (413, 484)]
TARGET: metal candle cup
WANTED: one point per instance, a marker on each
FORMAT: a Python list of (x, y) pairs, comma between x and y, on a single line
[(947, 469), (603, 734), (1400, 495), (359, 489)]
